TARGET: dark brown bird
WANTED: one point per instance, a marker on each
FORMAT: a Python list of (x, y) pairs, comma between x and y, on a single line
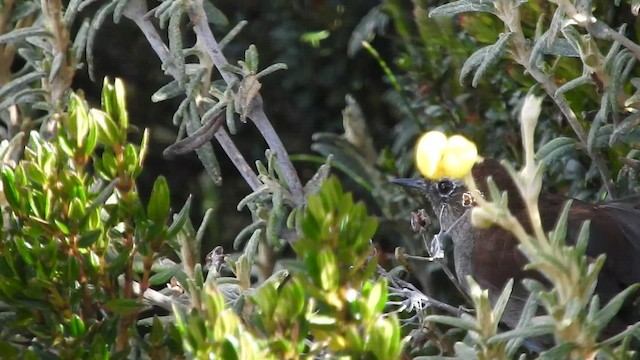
[(492, 256)]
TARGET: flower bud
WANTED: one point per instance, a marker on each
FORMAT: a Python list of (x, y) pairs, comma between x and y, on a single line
[(530, 113)]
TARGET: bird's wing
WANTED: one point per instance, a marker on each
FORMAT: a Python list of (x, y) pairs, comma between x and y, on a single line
[(497, 259), (614, 231), (626, 217)]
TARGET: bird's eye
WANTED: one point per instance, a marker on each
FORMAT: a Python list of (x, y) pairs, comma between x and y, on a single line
[(445, 187)]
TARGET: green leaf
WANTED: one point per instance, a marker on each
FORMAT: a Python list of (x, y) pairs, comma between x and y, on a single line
[(626, 126), (119, 10), (291, 302), (251, 249), (62, 227), (87, 239), (613, 306), (35, 174), (484, 58), (131, 162), (124, 306), (322, 320), (465, 324), (525, 332), (9, 350), (174, 31), (19, 83), (329, 276), (108, 133), (180, 219), (23, 34), (76, 209), (375, 20), (80, 41), (25, 250), (120, 97), (251, 59), (623, 64), (23, 9), (271, 69), (246, 232), (76, 326), (501, 304), (583, 238), (382, 337), (9, 189), (163, 276), (157, 331), (92, 140), (528, 311), (555, 149), (464, 351), (313, 185), (560, 231), (168, 91), (56, 65), (206, 154), (377, 297), (600, 119), (159, 202), (572, 84), (462, 6), (228, 350), (214, 15), (106, 97)]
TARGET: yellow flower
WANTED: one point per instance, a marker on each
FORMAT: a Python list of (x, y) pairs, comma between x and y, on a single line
[(438, 157)]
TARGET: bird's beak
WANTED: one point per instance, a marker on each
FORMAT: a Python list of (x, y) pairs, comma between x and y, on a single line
[(419, 184)]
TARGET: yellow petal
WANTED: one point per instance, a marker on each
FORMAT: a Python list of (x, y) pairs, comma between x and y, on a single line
[(429, 152), (459, 156)]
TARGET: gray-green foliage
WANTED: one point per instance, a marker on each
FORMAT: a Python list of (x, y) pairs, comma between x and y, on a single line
[(573, 33)]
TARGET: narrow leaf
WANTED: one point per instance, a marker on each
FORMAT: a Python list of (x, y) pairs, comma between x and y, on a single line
[(465, 324), (492, 56), (501, 304), (462, 6), (23, 34), (555, 148)]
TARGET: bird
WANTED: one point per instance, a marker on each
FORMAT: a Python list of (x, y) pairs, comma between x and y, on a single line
[(492, 257)]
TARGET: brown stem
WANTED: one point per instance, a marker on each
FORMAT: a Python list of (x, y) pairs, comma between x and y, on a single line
[(126, 321), (146, 272), (521, 54), (87, 302)]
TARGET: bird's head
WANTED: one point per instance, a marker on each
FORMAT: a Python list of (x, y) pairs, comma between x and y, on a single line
[(450, 198)]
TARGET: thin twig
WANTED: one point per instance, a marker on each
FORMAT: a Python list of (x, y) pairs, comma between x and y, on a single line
[(201, 27), (136, 11)]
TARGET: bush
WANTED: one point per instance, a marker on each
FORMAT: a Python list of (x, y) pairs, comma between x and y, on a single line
[(90, 270)]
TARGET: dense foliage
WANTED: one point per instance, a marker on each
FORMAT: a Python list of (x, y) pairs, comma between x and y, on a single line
[(90, 268)]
